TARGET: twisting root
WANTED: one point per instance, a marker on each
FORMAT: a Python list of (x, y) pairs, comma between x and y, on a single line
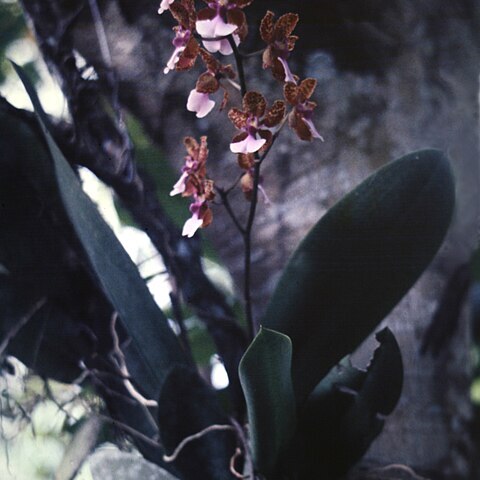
[(195, 436)]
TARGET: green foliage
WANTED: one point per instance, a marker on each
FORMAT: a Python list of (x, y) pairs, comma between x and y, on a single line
[(305, 413), (359, 261), (266, 381), (346, 411), (154, 348), (344, 278)]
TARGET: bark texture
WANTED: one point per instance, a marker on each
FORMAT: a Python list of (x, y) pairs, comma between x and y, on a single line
[(393, 77)]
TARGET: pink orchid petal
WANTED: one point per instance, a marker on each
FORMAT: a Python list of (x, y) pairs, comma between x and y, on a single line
[(164, 5), (179, 187), (212, 46), (288, 74), (173, 60), (248, 145), (191, 226), (312, 129), (215, 27), (225, 48), (221, 28), (199, 103)]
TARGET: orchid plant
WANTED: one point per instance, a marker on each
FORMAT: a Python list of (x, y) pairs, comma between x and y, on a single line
[(305, 411), (273, 372)]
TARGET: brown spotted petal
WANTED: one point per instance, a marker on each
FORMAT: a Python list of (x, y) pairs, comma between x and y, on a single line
[(187, 58), (306, 88), (238, 118), (239, 137), (284, 26), (203, 150), (206, 14), (209, 189), (278, 70), (207, 83), (206, 215), (291, 40), (246, 183), (275, 114), (290, 92), (295, 120), (191, 145), (254, 103), (180, 14), (212, 64), (246, 160), (268, 57), (224, 100), (228, 71), (266, 27), (237, 17)]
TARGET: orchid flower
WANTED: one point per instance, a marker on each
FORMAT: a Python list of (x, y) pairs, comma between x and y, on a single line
[(255, 124), (220, 19), (278, 36), (300, 118)]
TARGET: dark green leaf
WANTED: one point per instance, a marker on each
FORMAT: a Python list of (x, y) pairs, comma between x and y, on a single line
[(266, 381), (358, 262), (154, 348), (345, 412)]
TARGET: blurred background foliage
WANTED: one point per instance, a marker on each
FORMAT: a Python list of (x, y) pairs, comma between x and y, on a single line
[(38, 418)]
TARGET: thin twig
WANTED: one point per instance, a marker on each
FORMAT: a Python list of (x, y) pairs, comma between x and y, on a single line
[(226, 203), (195, 436), (122, 366)]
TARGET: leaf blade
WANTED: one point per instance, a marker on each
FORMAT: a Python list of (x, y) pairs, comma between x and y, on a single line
[(266, 381)]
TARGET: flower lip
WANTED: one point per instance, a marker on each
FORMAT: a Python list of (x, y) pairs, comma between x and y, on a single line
[(164, 6), (200, 103), (192, 225), (180, 41), (249, 144)]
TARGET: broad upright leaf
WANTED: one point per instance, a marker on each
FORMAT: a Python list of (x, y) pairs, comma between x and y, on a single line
[(358, 262), (266, 380), (154, 348)]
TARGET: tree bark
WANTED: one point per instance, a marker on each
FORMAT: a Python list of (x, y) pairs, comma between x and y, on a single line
[(393, 77)]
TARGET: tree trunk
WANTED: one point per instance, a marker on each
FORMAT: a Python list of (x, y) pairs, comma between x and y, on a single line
[(393, 77)]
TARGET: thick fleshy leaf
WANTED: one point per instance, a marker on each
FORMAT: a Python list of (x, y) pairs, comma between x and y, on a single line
[(154, 348), (267, 384), (346, 410), (358, 262)]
